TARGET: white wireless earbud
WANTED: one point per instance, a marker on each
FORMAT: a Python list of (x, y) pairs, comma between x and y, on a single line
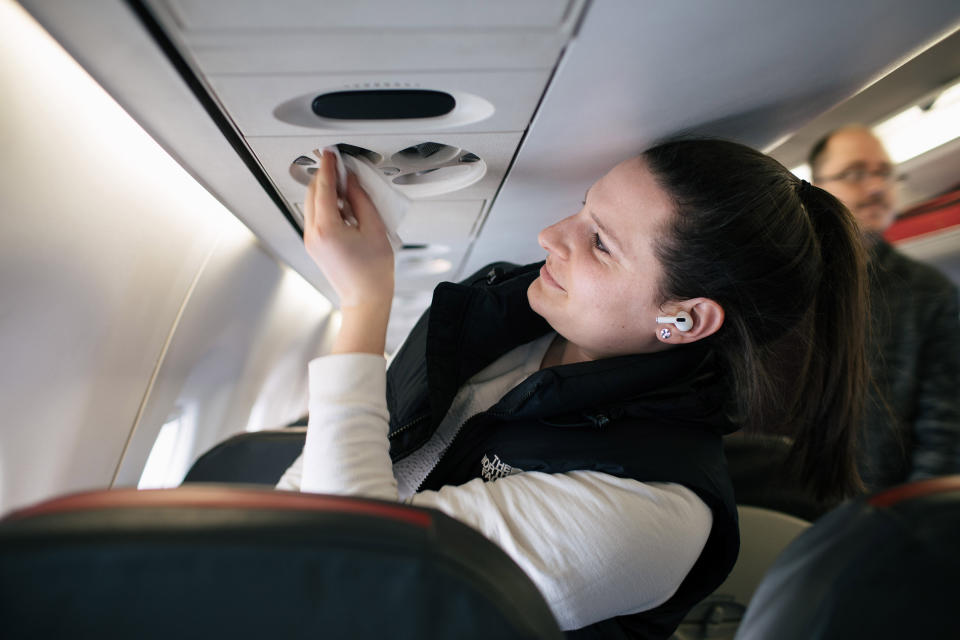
[(682, 321)]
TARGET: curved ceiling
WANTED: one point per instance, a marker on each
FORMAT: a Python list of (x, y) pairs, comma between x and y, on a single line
[(753, 70)]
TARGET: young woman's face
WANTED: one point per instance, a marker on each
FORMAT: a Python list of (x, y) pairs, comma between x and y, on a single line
[(598, 288)]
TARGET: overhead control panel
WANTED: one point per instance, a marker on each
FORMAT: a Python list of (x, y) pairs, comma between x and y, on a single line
[(440, 121)]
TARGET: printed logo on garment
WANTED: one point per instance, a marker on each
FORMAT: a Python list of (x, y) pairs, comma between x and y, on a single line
[(496, 468)]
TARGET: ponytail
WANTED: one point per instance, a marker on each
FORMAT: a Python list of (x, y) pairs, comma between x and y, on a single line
[(830, 399), (785, 261)]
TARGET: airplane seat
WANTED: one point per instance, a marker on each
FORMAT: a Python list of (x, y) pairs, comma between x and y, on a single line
[(884, 566), (250, 563), (773, 509), (757, 465), (764, 534), (256, 457)]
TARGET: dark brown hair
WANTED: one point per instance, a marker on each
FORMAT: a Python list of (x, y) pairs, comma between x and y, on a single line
[(816, 153), (784, 260)]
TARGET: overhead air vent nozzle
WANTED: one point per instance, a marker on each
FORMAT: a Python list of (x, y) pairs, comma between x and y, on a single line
[(383, 104)]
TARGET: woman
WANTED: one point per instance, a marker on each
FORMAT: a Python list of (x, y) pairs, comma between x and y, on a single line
[(573, 411)]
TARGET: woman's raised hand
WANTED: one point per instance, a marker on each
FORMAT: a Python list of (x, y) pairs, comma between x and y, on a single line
[(349, 246), (352, 250)]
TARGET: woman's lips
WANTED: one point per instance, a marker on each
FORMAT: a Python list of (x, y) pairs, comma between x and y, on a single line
[(545, 274)]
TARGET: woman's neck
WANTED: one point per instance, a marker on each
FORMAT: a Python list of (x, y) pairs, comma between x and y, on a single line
[(561, 351)]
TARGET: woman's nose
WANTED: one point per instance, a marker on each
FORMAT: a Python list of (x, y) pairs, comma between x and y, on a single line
[(551, 239)]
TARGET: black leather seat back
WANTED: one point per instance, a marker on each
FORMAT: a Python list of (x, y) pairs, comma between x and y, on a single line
[(880, 567), (759, 471), (210, 562), (258, 457)]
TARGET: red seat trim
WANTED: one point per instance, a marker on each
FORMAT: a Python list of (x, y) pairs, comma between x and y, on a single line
[(892, 496), (223, 498)]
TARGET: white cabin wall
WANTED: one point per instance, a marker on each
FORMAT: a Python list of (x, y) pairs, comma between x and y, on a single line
[(237, 360), (103, 238)]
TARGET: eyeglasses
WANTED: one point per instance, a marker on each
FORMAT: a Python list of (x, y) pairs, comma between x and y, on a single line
[(856, 175)]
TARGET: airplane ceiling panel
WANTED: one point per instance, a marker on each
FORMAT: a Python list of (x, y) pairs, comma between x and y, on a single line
[(751, 70), (346, 37), (281, 107), (369, 14), (436, 236), (422, 271), (283, 104), (439, 222), (218, 52)]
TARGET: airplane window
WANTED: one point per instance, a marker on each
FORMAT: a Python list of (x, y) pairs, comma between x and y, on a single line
[(167, 462), (922, 127)]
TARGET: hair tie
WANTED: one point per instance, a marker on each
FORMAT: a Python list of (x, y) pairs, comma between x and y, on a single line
[(803, 188)]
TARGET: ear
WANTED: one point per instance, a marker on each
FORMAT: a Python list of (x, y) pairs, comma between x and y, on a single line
[(707, 316)]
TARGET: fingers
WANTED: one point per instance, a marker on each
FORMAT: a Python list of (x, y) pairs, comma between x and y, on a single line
[(320, 206), (309, 217)]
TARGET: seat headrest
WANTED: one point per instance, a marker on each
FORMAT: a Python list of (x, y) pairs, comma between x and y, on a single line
[(257, 457), (206, 561), (760, 472), (883, 566)]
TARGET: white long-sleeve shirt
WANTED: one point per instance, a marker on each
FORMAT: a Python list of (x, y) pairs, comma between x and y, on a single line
[(596, 545)]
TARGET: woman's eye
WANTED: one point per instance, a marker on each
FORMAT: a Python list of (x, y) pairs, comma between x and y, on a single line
[(599, 243)]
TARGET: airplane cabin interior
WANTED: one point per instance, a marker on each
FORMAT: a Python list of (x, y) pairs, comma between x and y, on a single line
[(159, 310)]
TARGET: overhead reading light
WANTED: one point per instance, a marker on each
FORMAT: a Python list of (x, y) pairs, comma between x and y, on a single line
[(383, 104), (916, 130)]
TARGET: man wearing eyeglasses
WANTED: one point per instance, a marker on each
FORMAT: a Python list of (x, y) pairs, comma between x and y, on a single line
[(912, 428)]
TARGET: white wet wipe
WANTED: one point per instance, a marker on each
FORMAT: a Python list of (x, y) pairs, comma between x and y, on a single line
[(390, 203)]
